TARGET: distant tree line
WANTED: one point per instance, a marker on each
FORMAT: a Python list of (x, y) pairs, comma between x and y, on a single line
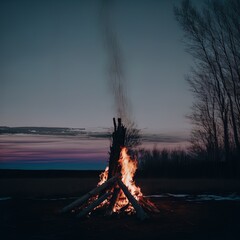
[(181, 164), (212, 37)]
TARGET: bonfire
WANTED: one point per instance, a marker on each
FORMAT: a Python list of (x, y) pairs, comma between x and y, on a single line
[(116, 191)]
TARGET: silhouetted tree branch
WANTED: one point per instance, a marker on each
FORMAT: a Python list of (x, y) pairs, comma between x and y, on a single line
[(212, 35)]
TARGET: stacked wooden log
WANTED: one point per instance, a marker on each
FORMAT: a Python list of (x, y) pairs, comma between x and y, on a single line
[(110, 189)]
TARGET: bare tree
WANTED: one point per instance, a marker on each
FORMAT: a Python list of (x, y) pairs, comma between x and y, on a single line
[(205, 136), (212, 36)]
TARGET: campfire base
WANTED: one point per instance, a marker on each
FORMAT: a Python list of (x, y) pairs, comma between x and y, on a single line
[(110, 194), (111, 188)]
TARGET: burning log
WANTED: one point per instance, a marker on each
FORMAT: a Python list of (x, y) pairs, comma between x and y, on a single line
[(146, 204), (94, 204), (113, 201), (140, 213), (123, 209), (116, 181), (90, 194)]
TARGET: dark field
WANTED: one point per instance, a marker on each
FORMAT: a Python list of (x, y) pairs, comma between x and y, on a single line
[(29, 210)]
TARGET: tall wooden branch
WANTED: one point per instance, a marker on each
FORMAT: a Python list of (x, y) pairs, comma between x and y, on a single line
[(118, 140)]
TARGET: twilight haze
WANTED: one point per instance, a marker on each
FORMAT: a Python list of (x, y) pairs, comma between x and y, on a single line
[(54, 65)]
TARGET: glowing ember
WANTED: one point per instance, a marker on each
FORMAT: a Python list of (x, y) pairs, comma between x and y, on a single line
[(103, 176), (128, 168)]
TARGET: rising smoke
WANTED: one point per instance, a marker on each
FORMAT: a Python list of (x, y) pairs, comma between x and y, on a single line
[(117, 81)]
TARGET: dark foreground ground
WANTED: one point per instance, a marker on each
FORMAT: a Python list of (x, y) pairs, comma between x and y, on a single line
[(179, 219), (30, 204)]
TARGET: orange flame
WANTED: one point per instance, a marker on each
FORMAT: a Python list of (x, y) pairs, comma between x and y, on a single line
[(128, 169), (103, 176)]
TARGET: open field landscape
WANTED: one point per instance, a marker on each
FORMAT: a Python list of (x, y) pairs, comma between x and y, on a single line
[(189, 208), (120, 120), (25, 186)]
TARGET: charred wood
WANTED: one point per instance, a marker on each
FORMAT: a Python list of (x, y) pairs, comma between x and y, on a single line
[(92, 193), (113, 201), (118, 140), (148, 205), (93, 205), (140, 212)]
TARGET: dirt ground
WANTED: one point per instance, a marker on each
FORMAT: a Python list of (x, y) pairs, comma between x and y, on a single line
[(29, 210), (178, 219)]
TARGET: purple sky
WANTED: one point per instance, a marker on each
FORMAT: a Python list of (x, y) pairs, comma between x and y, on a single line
[(52, 152), (22, 151)]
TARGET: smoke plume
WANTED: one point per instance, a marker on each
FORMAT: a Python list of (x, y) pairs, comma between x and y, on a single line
[(116, 79)]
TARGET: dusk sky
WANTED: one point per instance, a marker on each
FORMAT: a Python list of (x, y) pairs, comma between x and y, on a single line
[(54, 65)]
